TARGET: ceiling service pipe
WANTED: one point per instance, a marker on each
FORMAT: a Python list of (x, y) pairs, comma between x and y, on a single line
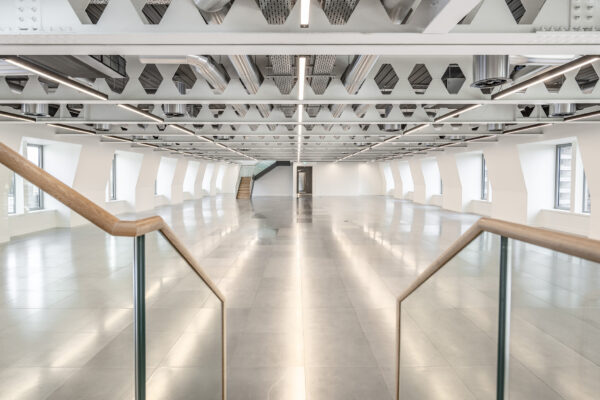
[(214, 74), (213, 11)]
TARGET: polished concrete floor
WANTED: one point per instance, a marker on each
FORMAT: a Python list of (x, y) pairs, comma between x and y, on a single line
[(311, 287)]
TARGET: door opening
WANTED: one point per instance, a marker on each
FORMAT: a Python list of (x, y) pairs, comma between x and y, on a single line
[(304, 181)]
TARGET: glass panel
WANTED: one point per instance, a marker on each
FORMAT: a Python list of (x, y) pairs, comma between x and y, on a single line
[(555, 325), (65, 315), (33, 195), (449, 328), (563, 176), (183, 328)]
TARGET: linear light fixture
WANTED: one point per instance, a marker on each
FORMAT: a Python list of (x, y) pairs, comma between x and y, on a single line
[(301, 76), (17, 117), (73, 129), (304, 13), (582, 116), (299, 141), (182, 129), (31, 67), (525, 128), (141, 112), (457, 112), (553, 73), (416, 129)]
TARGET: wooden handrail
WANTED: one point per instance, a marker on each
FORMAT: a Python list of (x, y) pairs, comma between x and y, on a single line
[(98, 215), (577, 246)]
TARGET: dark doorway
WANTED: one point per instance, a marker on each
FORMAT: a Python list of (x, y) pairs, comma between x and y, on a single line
[(304, 181)]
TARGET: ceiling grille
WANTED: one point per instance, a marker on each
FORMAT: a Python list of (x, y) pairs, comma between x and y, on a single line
[(282, 67), (338, 11), (276, 11), (322, 65)]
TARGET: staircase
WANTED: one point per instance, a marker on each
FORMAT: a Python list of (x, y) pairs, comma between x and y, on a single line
[(244, 188)]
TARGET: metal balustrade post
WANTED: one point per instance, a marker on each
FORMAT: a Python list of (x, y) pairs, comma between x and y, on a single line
[(139, 312), (503, 321)]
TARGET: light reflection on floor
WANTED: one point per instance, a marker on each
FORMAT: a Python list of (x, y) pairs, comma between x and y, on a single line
[(311, 286)]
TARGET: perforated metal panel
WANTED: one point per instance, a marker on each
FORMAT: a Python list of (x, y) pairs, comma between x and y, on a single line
[(276, 11), (284, 75), (321, 65), (338, 11)]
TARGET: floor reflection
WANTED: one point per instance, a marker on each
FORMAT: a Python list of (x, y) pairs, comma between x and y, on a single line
[(311, 286)]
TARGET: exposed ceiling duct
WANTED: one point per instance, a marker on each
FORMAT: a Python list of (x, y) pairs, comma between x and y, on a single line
[(174, 110), (495, 127), (399, 10), (82, 66), (356, 73), (102, 127), (282, 69), (361, 109), (322, 70), (214, 74), (561, 109), (490, 71), (251, 78), (35, 109), (338, 12), (213, 11)]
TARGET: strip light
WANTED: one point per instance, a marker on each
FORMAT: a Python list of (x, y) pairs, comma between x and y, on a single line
[(582, 116), (553, 73), (182, 129), (55, 77), (304, 13), (72, 128), (457, 112), (301, 82), (416, 129), (301, 76), (526, 128), (17, 116), (141, 112)]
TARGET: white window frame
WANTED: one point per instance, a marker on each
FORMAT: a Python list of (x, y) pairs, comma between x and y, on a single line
[(40, 164), (13, 194), (586, 190), (485, 182), (557, 172), (112, 179)]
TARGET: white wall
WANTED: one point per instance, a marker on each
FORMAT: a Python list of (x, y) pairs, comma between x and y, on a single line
[(84, 163), (344, 179), (521, 175), (277, 182)]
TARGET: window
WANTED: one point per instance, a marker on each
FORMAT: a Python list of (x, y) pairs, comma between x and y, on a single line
[(34, 197), (587, 201), (12, 193), (562, 188), (485, 183), (112, 180)]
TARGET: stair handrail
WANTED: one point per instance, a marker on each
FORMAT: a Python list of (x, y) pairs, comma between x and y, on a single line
[(110, 223), (573, 245)]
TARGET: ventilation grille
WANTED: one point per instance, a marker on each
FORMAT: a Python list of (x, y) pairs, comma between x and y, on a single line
[(276, 11), (322, 65), (516, 9), (338, 11), (282, 67), (386, 79)]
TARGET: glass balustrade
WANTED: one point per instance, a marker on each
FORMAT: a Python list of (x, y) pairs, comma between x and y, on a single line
[(66, 320), (183, 328), (449, 328), (503, 319)]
